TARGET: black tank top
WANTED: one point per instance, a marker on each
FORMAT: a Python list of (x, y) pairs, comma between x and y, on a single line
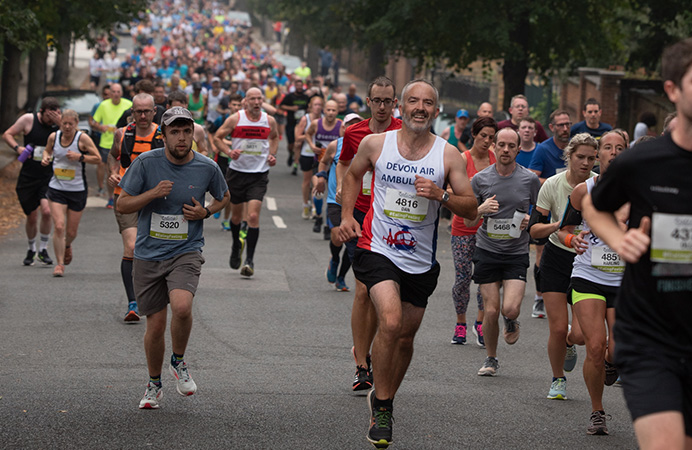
[(38, 136)]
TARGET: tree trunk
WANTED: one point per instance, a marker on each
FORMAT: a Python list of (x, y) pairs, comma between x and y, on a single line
[(10, 85), (514, 77), (61, 71), (375, 61), (37, 75)]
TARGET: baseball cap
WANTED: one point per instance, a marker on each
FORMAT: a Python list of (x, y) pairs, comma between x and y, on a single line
[(175, 113), (352, 116), (462, 113), (215, 79)]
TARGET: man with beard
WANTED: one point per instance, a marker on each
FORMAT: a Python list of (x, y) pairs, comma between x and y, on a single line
[(396, 255), (547, 158), (167, 186)]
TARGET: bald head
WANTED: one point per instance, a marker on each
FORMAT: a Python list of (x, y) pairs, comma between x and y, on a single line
[(485, 110)]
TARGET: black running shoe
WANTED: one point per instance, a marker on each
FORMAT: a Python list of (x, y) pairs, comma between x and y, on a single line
[(611, 374), (44, 258), (318, 225), (235, 257), (248, 268), (362, 380), (327, 233), (380, 432), (29, 260)]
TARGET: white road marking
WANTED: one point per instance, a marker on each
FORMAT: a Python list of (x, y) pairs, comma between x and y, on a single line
[(279, 222), (271, 203)]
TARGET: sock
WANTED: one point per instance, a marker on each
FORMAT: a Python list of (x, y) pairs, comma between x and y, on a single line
[(126, 272), (377, 403), (235, 233), (560, 378), (155, 380), (32, 245), (176, 359), (537, 297), (345, 265), (318, 205), (44, 242), (461, 323), (335, 251), (252, 237)]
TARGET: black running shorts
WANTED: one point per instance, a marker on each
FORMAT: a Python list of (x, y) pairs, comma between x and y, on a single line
[(556, 269), (246, 186), (75, 201), (491, 267)]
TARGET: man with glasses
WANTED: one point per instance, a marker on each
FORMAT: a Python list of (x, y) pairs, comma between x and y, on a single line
[(32, 183), (519, 109), (381, 100), (547, 159), (138, 137)]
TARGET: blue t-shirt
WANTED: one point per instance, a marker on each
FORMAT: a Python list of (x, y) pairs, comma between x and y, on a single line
[(195, 178), (524, 158), (582, 128), (547, 158), (331, 181)]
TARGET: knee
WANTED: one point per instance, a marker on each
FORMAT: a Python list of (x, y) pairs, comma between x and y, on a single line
[(45, 212), (492, 312), (390, 325), (406, 342), (558, 331), (182, 311), (511, 312), (253, 217), (596, 352), (59, 227), (72, 235)]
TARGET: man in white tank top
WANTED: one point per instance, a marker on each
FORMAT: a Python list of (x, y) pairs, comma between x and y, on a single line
[(395, 258)]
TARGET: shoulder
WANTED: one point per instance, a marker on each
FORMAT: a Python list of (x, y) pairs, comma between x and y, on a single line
[(395, 125)]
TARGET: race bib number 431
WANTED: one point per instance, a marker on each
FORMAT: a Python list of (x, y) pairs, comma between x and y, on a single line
[(169, 227), (671, 238)]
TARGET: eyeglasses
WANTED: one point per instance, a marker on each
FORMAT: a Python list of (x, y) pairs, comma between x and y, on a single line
[(139, 112), (563, 125), (378, 101)]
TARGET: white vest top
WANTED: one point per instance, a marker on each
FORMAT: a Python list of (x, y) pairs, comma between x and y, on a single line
[(253, 139), (68, 175)]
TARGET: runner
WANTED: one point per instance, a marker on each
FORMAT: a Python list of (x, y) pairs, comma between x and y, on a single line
[(199, 138), (68, 149), (596, 277), (138, 137), (307, 160), (458, 134), (654, 339), (255, 143), (557, 259), (167, 186), (478, 158), (505, 191), (32, 183), (396, 254), (381, 100), (295, 104)]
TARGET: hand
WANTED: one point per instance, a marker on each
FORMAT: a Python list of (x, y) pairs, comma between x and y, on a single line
[(114, 179), (45, 160), (235, 153), (163, 189), (579, 242), (349, 229), (195, 211), (525, 222), (73, 156), (427, 189), (490, 206), (271, 160), (635, 242), (319, 184), (337, 196), (20, 149)]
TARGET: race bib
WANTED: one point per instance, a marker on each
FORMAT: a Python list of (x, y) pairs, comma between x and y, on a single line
[(671, 238), (299, 114), (606, 259), (499, 228), (366, 188), (405, 205), (252, 148), (197, 115), (38, 152), (64, 172), (169, 227)]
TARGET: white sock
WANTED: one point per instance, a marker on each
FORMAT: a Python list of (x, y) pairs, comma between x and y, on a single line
[(44, 242), (32, 245)]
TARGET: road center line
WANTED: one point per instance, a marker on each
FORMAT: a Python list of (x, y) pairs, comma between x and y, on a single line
[(271, 203), (279, 222)]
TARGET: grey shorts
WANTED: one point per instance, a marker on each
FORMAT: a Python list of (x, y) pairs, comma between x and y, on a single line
[(153, 280), (104, 154), (124, 220)]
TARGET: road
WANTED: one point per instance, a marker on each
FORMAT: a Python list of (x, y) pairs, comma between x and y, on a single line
[(271, 357)]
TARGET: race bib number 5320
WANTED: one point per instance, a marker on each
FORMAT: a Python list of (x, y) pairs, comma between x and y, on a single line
[(170, 227)]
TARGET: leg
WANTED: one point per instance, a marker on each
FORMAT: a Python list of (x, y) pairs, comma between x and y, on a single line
[(305, 187), (253, 213), (610, 320), (663, 430), (154, 342), (512, 295), (558, 318), (59, 211), (100, 174), (181, 319), (591, 315), (45, 217), (462, 278), (73, 218), (31, 226), (363, 324), (491, 306)]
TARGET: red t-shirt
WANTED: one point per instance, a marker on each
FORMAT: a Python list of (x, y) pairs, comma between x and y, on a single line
[(352, 137), (458, 227)]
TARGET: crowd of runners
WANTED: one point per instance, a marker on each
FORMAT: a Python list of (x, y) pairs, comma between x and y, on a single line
[(201, 115)]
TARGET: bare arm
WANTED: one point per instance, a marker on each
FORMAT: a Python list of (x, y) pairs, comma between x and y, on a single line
[(273, 142), (48, 151), (310, 136), (200, 137), (224, 130), (324, 166), (87, 147), (445, 133), (21, 126), (269, 109), (543, 230), (300, 130)]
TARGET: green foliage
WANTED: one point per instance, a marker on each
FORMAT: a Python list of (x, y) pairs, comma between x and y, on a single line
[(19, 27)]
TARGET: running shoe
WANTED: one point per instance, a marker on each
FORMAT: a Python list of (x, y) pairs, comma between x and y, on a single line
[(294, 171), (478, 331), (152, 396), (340, 285), (100, 192), (132, 312), (558, 389), (29, 260), (330, 273), (225, 225), (235, 255), (185, 384), (538, 309), (380, 432), (618, 382), (59, 271), (317, 227), (217, 214), (570, 358), (459, 334), (248, 268), (109, 205), (327, 233), (597, 424), (611, 374), (68, 255), (368, 359), (306, 212), (362, 381), (490, 367), (45, 259), (511, 333)]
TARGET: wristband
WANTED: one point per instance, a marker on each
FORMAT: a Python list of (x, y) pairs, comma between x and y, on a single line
[(208, 213), (16, 147), (322, 174), (81, 158), (568, 240)]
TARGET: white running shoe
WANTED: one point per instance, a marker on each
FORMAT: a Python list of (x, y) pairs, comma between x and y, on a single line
[(152, 397), (185, 384)]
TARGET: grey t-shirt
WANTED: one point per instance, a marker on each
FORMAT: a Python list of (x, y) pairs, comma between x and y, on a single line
[(162, 231), (516, 192)]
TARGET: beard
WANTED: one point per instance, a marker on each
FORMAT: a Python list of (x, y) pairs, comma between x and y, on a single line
[(415, 127), (180, 155)]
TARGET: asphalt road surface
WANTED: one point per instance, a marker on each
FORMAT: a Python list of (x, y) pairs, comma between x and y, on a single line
[(271, 356)]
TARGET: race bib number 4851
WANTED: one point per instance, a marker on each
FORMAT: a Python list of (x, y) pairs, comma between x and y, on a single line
[(170, 227)]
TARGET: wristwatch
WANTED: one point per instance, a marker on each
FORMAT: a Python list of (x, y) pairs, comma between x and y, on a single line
[(208, 213), (81, 158), (445, 197)]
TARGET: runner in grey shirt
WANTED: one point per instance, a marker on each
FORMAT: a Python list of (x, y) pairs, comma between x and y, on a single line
[(505, 192)]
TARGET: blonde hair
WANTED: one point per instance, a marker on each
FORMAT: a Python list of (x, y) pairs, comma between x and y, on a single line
[(67, 113), (575, 142), (617, 131)]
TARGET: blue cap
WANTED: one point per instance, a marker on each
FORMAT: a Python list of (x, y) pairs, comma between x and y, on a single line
[(462, 113)]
